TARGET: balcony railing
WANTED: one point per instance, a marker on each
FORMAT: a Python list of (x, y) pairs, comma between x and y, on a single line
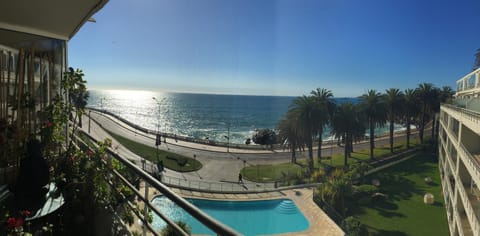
[(450, 188), (472, 218), (470, 162), (211, 223), (468, 112), (459, 221), (447, 190)]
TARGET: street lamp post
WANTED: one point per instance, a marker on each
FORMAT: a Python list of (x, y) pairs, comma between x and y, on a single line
[(101, 104), (228, 138), (158, 139), (135, 128), (89, 119)]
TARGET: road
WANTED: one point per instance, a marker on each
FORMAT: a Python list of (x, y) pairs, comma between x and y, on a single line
[(218, 165)]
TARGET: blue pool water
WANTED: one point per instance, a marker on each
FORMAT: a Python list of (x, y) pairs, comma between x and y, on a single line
[(247, 217)]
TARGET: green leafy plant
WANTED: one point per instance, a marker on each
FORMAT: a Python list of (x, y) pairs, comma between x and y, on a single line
[(354, 227), (170, 231)]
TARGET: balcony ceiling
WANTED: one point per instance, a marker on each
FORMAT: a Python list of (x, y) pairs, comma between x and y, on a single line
[(59, 19)]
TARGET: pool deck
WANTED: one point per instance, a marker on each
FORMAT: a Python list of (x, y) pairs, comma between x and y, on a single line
[(319, 222)]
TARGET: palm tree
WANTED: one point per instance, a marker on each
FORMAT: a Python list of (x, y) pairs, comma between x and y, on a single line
[(424, 92), (434, 107), (410, 110), (326, 106), (305, 110), (345, 124), (446, 94), (476, 64), (289, 133), (393, 99), (360, 127), (375, 111), (79, 99)]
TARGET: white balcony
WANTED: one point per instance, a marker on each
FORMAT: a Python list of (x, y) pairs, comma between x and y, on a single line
[(471, 162), (474, 228), (469, 85), (469, 118)]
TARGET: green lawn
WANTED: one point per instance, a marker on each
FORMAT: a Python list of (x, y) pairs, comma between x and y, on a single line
[(270, 173), (404, 213), (170, 160), (378, 152)]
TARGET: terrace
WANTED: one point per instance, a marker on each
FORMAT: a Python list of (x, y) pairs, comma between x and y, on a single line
[(36, 91), (469, 85)]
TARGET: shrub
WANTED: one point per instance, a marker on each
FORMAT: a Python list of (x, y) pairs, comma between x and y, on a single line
[(366, 189), (353, 227), (318, 176), (170, 231), (364, 201)]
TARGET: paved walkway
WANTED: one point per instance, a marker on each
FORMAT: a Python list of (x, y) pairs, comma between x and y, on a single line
[(211, 157)]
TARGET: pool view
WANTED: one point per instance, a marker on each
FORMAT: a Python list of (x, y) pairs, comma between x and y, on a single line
[(247, 217)]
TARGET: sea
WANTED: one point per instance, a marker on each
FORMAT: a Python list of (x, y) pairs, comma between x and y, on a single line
[(202, 116)]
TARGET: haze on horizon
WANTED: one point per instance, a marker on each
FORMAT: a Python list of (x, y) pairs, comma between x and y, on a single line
[(277, 47)]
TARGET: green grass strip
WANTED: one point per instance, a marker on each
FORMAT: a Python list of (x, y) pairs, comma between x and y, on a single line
[(170, 160), (271, 173), (285, 171)]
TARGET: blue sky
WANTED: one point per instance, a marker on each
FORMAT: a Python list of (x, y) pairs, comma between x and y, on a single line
[(283, 47)]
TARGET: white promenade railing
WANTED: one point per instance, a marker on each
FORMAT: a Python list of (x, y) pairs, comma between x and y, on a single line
[(211, 186)]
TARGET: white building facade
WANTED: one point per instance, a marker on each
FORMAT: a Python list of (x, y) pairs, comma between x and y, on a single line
[(459, 156)]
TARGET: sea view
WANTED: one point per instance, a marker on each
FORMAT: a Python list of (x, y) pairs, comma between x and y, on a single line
[(240, 118), (201, 116)]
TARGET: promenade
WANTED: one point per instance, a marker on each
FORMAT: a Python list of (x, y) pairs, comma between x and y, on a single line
[(220, 168), (219, 174)]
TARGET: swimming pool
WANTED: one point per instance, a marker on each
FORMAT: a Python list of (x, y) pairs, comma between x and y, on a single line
[(247, 217)]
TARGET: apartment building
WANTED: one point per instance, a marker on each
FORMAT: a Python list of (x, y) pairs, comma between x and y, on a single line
[(459, 156)]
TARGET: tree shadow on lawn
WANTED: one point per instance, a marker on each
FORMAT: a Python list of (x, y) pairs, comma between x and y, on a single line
[(381, 232), (397, 187), (389, 233), (387, 213)]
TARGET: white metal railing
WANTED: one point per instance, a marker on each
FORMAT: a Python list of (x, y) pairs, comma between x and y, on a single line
[(217, 186), (451, 166), (472, 218), (450, 220), (470, 162), (446, 190), (459, 221), (449, 187)]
